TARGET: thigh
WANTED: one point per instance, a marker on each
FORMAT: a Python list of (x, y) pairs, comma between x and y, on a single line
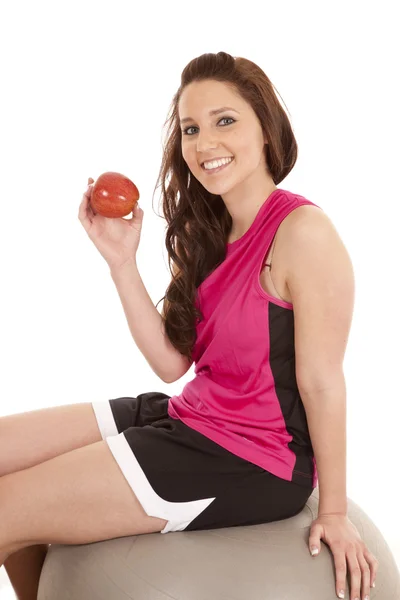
[(30, 438), (76, 498)]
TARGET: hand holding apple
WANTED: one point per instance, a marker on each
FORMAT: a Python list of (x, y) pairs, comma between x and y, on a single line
[(117, 239)]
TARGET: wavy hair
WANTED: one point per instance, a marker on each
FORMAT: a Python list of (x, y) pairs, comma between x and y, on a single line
[(198, 222)]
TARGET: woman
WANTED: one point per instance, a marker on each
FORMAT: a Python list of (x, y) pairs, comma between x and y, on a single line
[(261, 300)]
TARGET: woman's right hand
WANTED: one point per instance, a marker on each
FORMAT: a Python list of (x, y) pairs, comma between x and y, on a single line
[(117, 239)]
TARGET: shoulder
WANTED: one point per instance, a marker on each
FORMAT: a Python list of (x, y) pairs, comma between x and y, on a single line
[(305, 229), (312, 246), (306, 213), (299, 232), (302, 220)]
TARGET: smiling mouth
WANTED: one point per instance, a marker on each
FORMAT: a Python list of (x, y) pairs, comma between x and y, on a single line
[(217, 169)]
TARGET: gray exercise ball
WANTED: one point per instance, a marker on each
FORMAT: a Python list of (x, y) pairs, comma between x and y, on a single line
[(256, 562)]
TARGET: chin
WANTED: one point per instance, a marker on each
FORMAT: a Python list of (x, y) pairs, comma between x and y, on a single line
[(220, 190)]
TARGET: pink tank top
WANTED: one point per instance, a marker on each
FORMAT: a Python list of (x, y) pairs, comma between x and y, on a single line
[(244, 395)]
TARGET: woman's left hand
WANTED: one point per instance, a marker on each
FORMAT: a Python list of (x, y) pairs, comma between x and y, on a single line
[(345, 542)]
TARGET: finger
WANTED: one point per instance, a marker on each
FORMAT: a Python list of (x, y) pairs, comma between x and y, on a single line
[(355, 574), (85, 215), (365, 575), (89, 190), (90, 210), (373, 566), (137, 211), (339, 558)]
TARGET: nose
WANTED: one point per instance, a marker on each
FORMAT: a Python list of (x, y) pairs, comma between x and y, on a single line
[(206, 141)]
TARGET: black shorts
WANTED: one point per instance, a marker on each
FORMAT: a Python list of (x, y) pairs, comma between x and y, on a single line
[(182, 476)]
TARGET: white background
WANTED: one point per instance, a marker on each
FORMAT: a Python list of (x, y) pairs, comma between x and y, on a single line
[(86, 87)]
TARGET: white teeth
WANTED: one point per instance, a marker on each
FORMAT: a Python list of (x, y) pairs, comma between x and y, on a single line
[(217, 163)]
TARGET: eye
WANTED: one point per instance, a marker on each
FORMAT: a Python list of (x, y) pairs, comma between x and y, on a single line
[(185, 131)]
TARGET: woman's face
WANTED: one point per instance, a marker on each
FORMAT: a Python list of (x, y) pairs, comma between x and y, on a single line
[(234, 132)]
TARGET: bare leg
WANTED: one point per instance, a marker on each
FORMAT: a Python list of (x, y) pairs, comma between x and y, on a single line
[(30, 438), (24, 568), (77, 498)]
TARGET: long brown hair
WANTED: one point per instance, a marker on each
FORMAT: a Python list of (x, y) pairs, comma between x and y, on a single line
[(198, 223)]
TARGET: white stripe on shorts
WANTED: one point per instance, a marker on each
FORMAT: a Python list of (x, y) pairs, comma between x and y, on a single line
[(105, 418), (178, 514)]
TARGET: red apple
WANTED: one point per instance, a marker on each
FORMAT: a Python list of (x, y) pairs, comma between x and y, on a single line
[(114, 195)]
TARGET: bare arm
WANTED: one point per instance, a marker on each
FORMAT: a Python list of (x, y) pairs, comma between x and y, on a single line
[(146, 325), (321, 282)]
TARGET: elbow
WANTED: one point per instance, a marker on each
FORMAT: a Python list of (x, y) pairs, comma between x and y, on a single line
[(321, 383), (172, 377), (168, 379)]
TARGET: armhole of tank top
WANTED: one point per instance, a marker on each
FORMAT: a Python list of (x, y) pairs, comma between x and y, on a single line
[(259, 288), (272, 299), (263, 262)]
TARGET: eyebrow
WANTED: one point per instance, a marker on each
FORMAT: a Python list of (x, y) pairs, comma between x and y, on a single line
[(211, 113)]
